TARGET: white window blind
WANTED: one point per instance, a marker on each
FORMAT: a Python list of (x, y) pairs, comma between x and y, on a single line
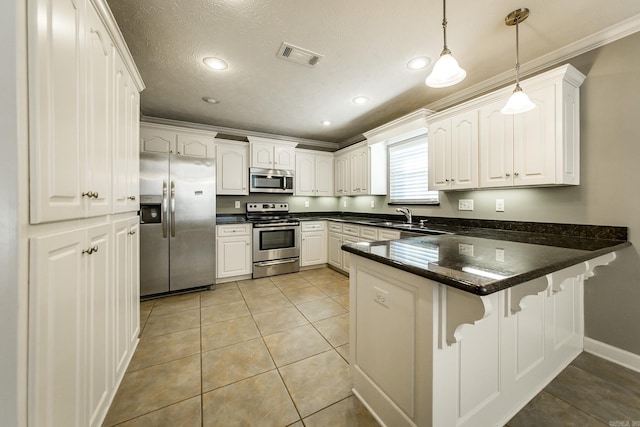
[(408, 172)]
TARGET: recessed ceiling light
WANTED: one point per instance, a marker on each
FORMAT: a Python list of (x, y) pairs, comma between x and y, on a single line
[(215, 63), (210, 100), (360, 100), (419, 63), (325, 123)]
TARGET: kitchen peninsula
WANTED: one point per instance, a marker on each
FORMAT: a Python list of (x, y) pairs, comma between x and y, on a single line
[(464, 329)]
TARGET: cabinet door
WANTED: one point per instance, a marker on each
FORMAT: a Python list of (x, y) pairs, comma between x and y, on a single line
[(57, 330), (99, 55), (234, 256), (284, 157), (496, 146), (157, 141), (324, 175), (56, 104), (232, 169), (261, 155), (122, 136), (313, 249), (342, 175), (439, 155), (121, 312), (133, 285), (133, 158), (305, 174), (195, 146), (534, 148), (464, 150), (359, 165), (334, 255), (98, 303), (346, 240)]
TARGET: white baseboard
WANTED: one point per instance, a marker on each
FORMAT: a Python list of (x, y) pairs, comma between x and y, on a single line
[(612, 354)]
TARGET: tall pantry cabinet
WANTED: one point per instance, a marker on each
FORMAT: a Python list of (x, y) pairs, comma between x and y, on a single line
[(83, 200)]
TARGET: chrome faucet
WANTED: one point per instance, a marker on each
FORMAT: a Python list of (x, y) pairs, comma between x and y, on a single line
[(406, 212)]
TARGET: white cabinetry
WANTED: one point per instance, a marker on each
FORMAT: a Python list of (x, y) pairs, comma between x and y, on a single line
[(126, 325), (78, 278), (234, 250), (521, 149), (361, 169), (474, 145), (272, 154), (313, 249), (232, 167), (453, 152), (73, 113), (175, 140), (314, 173)]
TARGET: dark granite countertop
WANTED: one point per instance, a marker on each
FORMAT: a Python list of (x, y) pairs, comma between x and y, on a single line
[(230, 219), (484, 261)]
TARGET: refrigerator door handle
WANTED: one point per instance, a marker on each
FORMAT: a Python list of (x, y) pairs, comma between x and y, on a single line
[(164, 209), (173, 209)]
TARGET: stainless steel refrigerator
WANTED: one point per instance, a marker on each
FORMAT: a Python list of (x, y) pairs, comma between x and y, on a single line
[(177, 223)]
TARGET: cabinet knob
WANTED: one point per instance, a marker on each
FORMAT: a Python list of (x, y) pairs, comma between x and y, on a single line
[(131, 197), (446, 180), (132, 232), (91, 250), (516, 174), (453, 180), (508, 174), (90, 194)]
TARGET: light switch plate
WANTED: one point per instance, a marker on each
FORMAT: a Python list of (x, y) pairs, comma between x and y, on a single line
[(306, 203), (373, 203), (237, 204), (499, 205)]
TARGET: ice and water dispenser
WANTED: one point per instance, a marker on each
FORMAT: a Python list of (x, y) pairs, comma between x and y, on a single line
[(150, 209)]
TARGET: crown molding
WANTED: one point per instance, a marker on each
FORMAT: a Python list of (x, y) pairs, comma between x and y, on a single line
[(608, 35), (307, 143)]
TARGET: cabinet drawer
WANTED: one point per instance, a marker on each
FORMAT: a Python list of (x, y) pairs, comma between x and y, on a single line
[(351, 230), (369, 233), (335, 227), (312, 226), (384, 234), (233, 230)]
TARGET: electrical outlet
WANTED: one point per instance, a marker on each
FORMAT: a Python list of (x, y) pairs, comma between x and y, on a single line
[(306, 203), (499, 255), (381, 296), (465, 204), (373, 203), (344, 203), (237, 204), (465, 249), (499, 205)]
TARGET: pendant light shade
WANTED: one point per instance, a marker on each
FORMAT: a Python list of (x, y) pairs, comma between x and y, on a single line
[(518, 102), (446, 71)]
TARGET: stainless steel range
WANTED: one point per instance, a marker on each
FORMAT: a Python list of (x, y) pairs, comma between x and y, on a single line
[(276, 239)]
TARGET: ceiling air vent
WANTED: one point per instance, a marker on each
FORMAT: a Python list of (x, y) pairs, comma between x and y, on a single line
[(298, 55)]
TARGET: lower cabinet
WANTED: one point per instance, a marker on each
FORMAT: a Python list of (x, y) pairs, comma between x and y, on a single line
[(74, 328), (233, 250), (313, 247)]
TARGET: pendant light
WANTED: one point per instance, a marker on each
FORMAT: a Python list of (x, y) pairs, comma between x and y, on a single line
[(518, 102), (446, 71)]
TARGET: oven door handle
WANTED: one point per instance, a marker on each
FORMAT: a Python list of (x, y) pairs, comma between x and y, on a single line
[(277, 224), (280, 261)]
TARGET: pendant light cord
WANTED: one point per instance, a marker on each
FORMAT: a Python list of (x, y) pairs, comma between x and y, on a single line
[(517, 20), (445, 50)]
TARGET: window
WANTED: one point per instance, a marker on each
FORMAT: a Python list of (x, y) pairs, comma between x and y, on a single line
[(408, 172)]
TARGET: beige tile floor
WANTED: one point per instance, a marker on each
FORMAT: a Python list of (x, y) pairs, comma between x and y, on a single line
[(265, 352), (275, 352)]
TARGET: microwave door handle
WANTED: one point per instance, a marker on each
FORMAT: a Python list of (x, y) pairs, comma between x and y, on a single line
[(164, 210), (173, 209)]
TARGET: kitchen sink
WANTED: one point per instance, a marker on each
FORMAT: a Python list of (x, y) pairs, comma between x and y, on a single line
[(420, 229)]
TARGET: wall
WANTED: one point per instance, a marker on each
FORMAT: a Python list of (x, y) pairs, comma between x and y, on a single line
[(608, 194), (12, 249), (225, 204)]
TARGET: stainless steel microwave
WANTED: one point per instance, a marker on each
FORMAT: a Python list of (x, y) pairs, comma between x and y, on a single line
[(270, 181)]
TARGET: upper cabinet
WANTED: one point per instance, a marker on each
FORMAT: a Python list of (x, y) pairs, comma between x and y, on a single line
[(361, 169), (232, 167), (272, 154), (453, 152), (77, 113), (174, 140), (314, 173), (474, 145)]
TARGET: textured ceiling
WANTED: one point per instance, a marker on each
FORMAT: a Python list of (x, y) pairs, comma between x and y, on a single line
[(365, 44)]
